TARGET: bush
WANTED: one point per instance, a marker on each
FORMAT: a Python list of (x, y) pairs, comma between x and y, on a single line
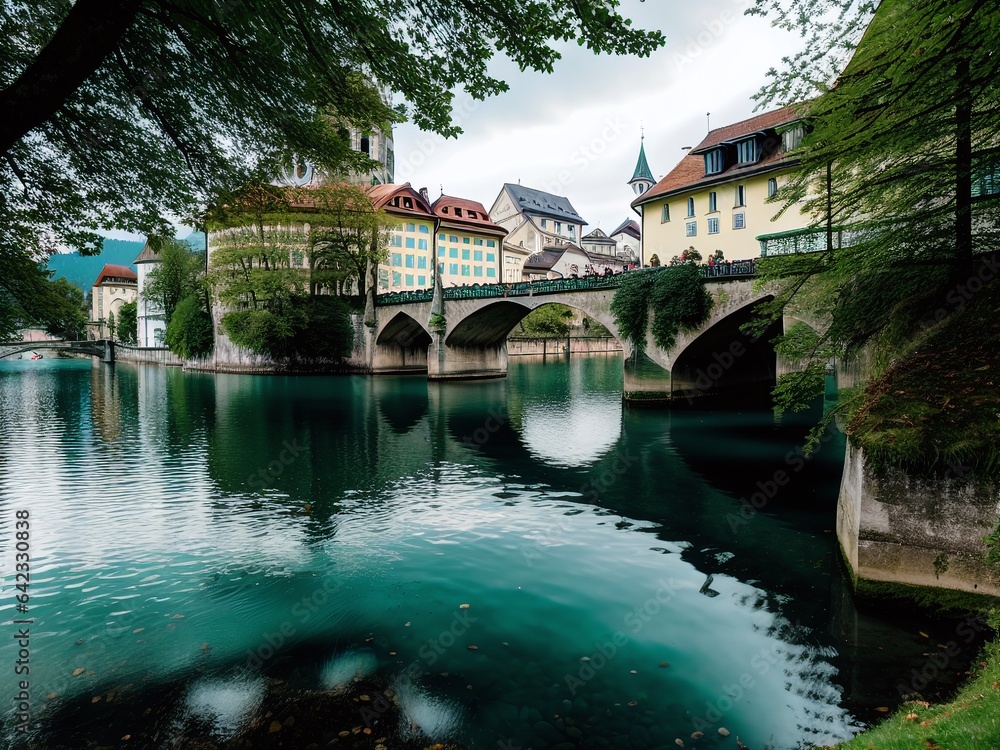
[(306, 327), (189, 333), (327, 332), (677, 295), (548, 321)]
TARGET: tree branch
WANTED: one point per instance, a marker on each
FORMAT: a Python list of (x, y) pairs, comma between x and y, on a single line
[(89, 33)]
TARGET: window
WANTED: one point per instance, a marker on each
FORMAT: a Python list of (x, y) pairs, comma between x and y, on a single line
[(383, 279), (397, 259), (465, 269), (986, 175), (410, 243), (422, 262), (397, 278), (478, 242), (691, 228), (421, 281), (558, 226), (442, 251), (466, 241), (713, 202), (792, 139), (690, 207), (365, 146), (441, 268), (747, 151), (491, 257), (739, 221), (397, 241), (741, 195), (421, 244), (666, 214), (453, 253), (442, 237), (714, 161), (458, 211), (409, 279), (491, 273), (453, 238), (491, 243), (411, 227), (477, 271), (545, 223), (409, 261), (465, 253), (477, 255), (297, 257), (572, 228), (772, 187), (453, 269), (424, 229), (713, 226)]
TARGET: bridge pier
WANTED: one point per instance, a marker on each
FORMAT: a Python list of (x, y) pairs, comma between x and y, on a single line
[(646, 383), (446, 362)]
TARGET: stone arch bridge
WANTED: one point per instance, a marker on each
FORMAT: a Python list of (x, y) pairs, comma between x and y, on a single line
[(102, 348), (463, 335)]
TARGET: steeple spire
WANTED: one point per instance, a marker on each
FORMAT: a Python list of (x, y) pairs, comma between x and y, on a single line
[(642, 180)]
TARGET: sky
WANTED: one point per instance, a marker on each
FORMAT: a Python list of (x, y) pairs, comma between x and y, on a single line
[(576, 132)]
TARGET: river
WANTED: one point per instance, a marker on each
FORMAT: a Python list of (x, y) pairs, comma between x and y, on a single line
[(526, 563)]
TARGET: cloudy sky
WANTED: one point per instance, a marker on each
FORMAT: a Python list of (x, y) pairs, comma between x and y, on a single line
[(576, 132)]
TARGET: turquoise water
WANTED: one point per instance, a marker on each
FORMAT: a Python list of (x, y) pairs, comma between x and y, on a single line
[(204, 532)]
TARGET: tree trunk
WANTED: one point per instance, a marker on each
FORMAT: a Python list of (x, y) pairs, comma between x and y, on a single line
[(963, 166), (90, 32)]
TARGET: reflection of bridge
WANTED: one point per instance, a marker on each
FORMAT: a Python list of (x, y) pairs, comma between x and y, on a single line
[(103, 348), (469, 339)]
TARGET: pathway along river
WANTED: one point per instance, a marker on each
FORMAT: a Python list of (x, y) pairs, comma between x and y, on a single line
[(197, 540)]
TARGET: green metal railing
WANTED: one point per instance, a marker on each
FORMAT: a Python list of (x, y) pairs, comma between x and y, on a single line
[(724, 270)]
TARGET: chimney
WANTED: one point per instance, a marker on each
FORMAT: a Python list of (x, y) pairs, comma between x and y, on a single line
[(423, 194)]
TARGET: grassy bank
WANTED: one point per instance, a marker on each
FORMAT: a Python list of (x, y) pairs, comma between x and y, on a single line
[(971, 721)]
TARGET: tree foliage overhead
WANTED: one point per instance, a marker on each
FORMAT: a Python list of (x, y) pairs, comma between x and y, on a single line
[(118, 112), (902, 150)]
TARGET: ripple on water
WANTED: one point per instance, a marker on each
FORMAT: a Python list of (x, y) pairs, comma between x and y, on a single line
[(343, 669), (424, 715)]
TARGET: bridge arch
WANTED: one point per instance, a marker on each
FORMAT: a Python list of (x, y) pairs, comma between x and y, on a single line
[(401, 344), (719, 357)]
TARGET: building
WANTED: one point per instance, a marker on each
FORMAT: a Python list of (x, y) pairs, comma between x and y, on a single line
[(557, 262), (115, 285), (151, 322), (411, 245), (716, 197), (628, 240), (598, 242), (514, 257), (468, 243), (535, 219)]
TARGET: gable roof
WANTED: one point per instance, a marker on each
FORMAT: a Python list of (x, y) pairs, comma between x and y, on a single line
[(690, 171), (114, 273), (642, 170), (148, 255), (629, 227), (550, 255), (597, 234), (545, 204)]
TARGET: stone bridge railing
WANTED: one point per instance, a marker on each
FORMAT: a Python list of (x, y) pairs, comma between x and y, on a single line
[(726, 270)]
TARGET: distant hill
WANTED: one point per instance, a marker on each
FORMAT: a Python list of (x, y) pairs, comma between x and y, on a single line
[(84, 270)]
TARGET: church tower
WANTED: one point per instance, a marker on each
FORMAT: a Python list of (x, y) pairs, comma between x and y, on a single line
[(642, 180)]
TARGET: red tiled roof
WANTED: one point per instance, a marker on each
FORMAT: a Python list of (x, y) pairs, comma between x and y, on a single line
[(474, 216), (114, 271), (382, 195), (690, 171)]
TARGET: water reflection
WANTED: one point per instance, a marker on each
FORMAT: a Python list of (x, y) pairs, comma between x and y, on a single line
[(184, 522)]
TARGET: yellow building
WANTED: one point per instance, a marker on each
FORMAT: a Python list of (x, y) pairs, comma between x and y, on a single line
[(716, 197), (115, 286), (411, 246), (468, 243)]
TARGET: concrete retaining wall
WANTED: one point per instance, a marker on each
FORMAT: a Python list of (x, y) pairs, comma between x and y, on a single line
[(897, 528), (151, 355), (517, 347)]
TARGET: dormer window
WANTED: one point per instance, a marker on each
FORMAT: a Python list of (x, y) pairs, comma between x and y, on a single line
[(747, 151), (791, 139), (407, 202), (715, 161), (458, 212), (444, 210)]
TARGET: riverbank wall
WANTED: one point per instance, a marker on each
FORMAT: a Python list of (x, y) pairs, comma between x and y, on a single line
[(147, 355), (895, 528), (519, 347)]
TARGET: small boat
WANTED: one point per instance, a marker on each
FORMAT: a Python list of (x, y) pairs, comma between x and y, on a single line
[(36, 355)]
